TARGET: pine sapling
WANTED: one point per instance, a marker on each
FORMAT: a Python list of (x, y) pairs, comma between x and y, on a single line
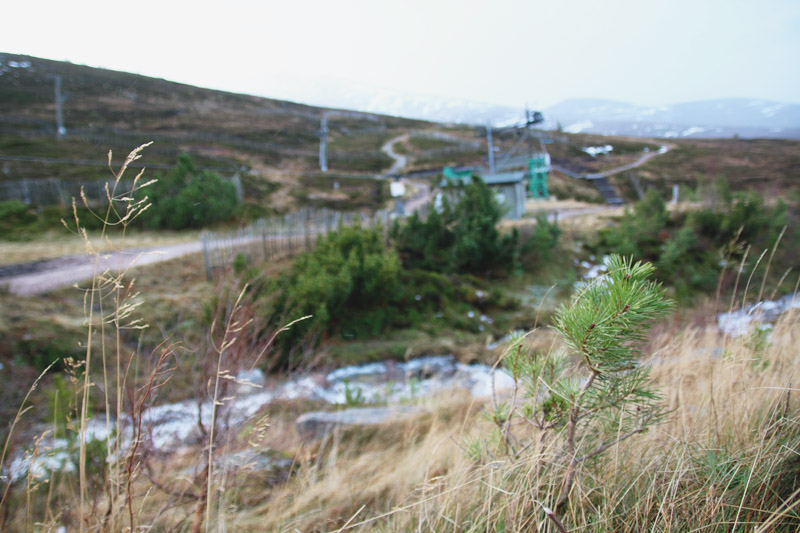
[(606, 396)]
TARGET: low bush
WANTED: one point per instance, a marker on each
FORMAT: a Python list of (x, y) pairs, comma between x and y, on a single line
[(538, 245), (188, 198), (22, 222), (690, 250), (348, 284), (462, 238), (353, 286)]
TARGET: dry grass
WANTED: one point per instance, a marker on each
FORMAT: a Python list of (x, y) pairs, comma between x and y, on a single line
[(722, 460)]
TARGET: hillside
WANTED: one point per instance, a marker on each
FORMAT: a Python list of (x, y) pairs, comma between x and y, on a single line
[(227, 132), (274, 145)]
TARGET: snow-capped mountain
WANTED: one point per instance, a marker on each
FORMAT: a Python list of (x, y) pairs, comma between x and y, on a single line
[(403, 104), (708, 118), (439, 109), (744, 117)]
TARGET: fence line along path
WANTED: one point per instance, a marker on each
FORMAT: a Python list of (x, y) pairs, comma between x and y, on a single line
[(279, 237)]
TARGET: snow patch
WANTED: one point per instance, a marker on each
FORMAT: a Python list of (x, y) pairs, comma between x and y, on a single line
[(579, 126), (594, 151), (172, 426), (742, 322), (692, 130)]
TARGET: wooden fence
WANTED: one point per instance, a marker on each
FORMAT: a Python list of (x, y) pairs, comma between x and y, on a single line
[(279, 237)]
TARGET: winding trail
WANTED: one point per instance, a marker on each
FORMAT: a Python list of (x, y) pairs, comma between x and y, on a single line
[(644, 158), (422, 188), (400, 161), (639, 162)]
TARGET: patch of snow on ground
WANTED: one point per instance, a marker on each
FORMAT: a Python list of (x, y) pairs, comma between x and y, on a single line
[(593, 272), (742, 322), (594, 151), (172, 426), (691, 131), (579, 126), (767, 109)]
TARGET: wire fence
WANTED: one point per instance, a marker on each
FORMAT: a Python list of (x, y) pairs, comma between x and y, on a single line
[(279, 237), (58, 191)]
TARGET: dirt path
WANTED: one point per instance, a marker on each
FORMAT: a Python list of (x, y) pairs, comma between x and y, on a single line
[(644, 158), (40, 277), (400, 161), (639, 162), (43, 276)]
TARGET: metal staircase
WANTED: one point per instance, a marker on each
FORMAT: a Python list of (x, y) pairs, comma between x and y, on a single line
[(606, 190)]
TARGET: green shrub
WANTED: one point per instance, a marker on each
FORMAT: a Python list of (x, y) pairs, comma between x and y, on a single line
[(188, 198), (13, 210), (17, 220), (538, 247), (640, 233), (687, 249), (426, 244), (459, 238), (349, 283), (354, 287)]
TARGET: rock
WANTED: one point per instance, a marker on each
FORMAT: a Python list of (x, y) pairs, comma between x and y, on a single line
[(741, 322), (249, 381), (244, 461), (317, 424), (423, 368), (253, 461)]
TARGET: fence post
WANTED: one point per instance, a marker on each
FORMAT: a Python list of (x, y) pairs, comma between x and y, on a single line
[(26, 191), (307, 229), (237, 184), (263, 227), (206, 257), (63, 198)]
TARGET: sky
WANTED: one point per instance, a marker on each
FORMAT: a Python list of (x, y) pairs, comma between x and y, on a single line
[(503, 52)]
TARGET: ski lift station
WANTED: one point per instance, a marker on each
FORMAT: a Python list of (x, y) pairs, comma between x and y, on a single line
[(509, 188)]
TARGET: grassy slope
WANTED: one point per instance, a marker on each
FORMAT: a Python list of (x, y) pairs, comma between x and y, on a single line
[(725, 455), (407, 464), (718, 460), (115, 110), (770, 166)]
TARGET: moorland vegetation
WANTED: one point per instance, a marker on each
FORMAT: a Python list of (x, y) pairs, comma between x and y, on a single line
[(611, 425)]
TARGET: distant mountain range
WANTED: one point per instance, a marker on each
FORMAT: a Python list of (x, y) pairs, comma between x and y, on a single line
[(744, 117), (402, 104)]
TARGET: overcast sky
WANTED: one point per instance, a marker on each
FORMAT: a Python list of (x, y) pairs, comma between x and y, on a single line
[(500, 51)]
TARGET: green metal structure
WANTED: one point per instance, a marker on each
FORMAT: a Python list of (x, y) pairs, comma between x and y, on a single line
[(537, 177), (456, 175)]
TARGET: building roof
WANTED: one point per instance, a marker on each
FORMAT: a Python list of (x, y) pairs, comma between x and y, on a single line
[(491, 179)]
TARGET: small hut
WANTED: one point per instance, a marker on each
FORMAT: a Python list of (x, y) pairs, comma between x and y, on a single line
[(509, 188)]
